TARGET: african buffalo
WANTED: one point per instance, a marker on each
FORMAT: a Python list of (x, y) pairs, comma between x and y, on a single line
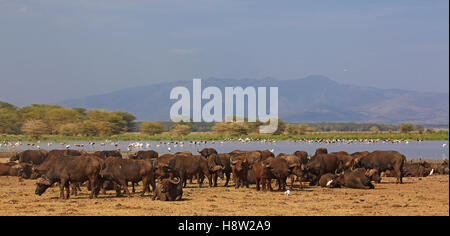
[(120, 171), (295, 166), (322, 164), (9, 169), (240, 168), (144, 155), (35, 157), (183, 166), (382, 161), (67, 170), (275, 168), (168, 189), (329, 181), (106, 154), (359, 178)]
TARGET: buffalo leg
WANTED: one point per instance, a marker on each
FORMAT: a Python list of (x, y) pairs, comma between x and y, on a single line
[(227, 175)]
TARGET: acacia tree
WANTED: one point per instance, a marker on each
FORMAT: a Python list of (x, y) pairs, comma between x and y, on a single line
[(35, 128), (151, 128), (406, 127)]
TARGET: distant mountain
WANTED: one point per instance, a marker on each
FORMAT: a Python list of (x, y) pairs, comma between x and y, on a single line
[(311, 99)]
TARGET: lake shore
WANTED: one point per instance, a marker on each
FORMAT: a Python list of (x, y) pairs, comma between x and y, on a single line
[(207, 136)]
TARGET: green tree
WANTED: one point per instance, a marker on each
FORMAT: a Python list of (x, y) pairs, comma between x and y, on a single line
[(88, 128), (9, 121), (151, 128), (71, 129), (35, 128), (7, 106), (180, 129), (406, 127)]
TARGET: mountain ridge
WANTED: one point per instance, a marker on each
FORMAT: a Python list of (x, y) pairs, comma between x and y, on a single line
[(314, 98)]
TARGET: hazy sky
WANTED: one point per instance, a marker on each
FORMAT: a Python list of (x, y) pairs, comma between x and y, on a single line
[(51, 50)]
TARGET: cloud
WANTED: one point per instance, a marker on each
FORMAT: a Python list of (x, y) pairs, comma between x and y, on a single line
[(180, 51)]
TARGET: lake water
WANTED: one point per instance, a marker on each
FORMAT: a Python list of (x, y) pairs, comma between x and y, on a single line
[(426, 149)]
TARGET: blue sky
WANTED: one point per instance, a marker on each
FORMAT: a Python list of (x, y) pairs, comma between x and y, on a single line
[(51, 50)]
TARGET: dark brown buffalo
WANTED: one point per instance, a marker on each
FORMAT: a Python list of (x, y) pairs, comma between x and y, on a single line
[(275, 168), (239, 166), (266, 154), (303, 156), (420, 169), (441, 168), (252, 156), (183, 166), (26, 171), (67, 170), (120, 171), (9, 169), (144, 155), (322, 164), (329, 181), (35, 157), (168, 189), (382, 161), (321, 151), (359, 178), (295, 166), (67, 152), (358, 155), (106, 154), (219, 165)]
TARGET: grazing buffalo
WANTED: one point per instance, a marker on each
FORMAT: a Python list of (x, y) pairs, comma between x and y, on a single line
[(120, 171), (359, 178), (106, 154), (35, 157), (382, 161), (329, 181), (144, 155), (168, 189), (239, 166), (67, 170)]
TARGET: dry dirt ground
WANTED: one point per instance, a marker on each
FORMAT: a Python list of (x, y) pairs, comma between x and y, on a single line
[(417, 196)]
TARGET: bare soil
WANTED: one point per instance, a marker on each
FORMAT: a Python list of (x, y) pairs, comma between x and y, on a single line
[(417, 196)]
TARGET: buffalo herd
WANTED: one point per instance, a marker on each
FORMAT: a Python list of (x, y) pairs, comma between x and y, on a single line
[(168, 174)]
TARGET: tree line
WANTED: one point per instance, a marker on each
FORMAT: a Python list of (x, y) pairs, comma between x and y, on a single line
[(40, 119)]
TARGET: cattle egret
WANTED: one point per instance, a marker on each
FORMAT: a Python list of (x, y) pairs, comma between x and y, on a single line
[(431, 173), (169, 149), (329, 183), (287, 193)]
